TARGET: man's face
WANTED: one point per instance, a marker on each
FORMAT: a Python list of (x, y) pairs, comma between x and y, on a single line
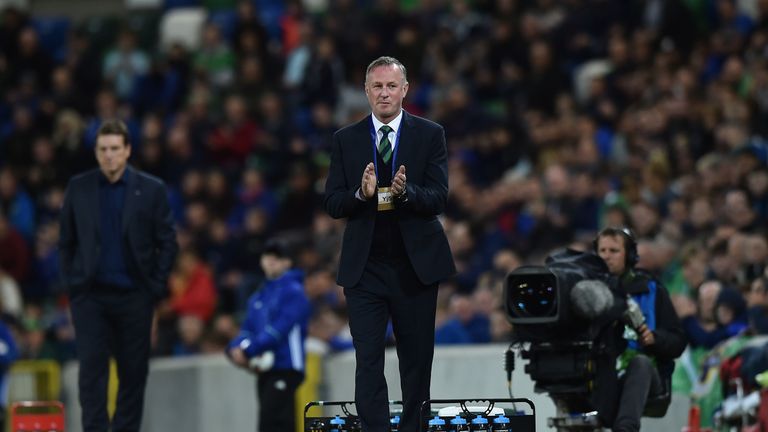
[(386, 88), (112, 153), (611, 250)]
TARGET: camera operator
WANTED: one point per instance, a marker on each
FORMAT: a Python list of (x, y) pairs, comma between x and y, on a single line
[(657, 339)]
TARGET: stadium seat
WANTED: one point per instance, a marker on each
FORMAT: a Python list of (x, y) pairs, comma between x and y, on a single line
[(225, 19), (102, 31), (146, 25), (183, 26), (34, 380), (584, 74), (53, 33), (143, 4), (175, 4), (270, 13), (213, 5)]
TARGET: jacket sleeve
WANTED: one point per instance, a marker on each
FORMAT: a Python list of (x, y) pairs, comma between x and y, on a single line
[(165, 243), (67, 237), (670, 339), (294, 308), (8, 350), (246, 329), (430, 198), (339, 200)]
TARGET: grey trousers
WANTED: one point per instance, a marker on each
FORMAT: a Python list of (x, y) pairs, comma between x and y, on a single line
[(640, 380)]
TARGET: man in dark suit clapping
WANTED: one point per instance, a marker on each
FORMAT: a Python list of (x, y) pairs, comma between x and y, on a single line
[(117, 246), (394, 251)]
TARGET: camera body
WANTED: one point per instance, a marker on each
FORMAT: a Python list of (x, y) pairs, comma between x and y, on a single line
[(567, 300), (571, 314)]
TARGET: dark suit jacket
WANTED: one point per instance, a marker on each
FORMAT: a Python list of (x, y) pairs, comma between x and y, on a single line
[(149, 240), (423, 151)]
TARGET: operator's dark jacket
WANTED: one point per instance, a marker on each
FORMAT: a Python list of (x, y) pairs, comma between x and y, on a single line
[(670, 342), (670, 339)]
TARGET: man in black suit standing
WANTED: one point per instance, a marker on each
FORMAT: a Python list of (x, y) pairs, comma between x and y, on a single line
[(117, 246), (395, 250)]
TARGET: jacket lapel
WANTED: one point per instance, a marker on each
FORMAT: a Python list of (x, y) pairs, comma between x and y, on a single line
[(132, 195), (403, 149), (364, 150), (93, 195)]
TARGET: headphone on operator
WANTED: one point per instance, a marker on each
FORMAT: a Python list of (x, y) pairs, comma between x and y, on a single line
[(630, 244)]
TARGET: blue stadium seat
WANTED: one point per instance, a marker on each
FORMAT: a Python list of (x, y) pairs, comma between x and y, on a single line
[(225, 19), (172, 4), (270, 12), (53, 33)]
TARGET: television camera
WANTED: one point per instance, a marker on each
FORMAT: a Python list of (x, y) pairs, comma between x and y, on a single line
[(567, 315)]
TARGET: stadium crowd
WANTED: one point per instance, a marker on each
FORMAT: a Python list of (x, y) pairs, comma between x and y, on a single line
[(561, 117)]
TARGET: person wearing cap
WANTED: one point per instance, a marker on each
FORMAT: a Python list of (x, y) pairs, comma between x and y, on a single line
[(271, 339)]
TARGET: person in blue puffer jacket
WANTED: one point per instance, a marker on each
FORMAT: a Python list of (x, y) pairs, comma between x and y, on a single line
[(8, 354), (271, 339)]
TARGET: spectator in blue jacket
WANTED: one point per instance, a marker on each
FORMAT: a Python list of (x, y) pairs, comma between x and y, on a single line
[(271, 339), (465, 326), (729, 313)]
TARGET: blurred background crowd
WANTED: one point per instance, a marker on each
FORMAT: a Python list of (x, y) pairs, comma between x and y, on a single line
[(561, 117)]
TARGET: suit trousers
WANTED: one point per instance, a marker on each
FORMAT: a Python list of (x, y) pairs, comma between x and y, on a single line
[(390, 289), (116, 323)]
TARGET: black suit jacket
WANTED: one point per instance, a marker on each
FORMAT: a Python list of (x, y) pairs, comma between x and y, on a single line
[(149, 240), (423, 151)]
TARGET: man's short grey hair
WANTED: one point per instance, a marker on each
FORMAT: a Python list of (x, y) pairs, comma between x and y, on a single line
[(386, 61)]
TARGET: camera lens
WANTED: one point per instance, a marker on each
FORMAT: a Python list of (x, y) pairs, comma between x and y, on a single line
[(534, 296)]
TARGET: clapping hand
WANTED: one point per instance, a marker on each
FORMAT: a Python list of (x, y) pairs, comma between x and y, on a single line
[(398, 182), (368, 182)]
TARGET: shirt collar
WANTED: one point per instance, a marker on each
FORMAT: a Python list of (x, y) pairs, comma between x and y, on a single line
[(122, 180), (394, 124)]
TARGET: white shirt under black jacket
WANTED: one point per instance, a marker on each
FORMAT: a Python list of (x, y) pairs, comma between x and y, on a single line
[(377, 124)]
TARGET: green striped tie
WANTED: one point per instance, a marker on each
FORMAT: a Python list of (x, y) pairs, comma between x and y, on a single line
[(385, 148)]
